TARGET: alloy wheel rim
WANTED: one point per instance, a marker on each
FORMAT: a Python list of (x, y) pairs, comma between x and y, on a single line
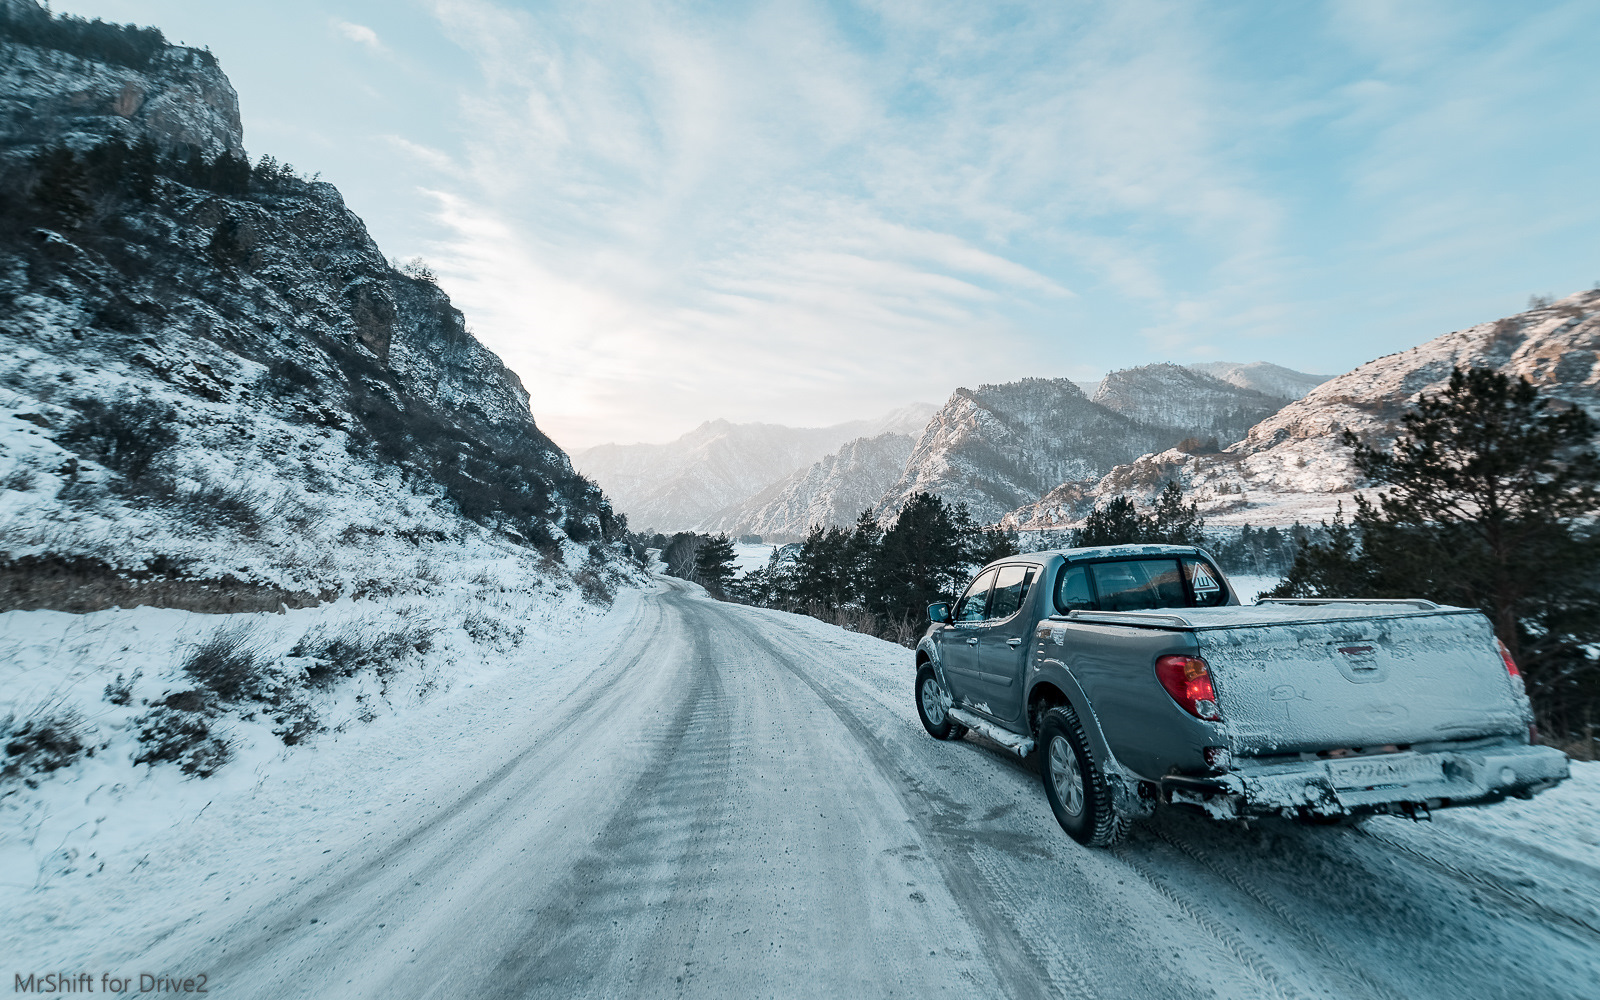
[(1066, 777), (932, 703)]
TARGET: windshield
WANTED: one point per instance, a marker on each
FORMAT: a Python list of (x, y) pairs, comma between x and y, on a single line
[(1140, 585)]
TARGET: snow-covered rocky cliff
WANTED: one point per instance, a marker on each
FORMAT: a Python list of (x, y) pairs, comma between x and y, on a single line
[(999, 446), (215, 392), (695, 481), (1186, 400)]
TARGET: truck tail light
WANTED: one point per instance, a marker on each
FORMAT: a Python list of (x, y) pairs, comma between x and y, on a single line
[(1188, 680), (1505, 656)]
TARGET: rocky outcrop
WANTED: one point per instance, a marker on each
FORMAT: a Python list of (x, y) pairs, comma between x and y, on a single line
[(177, 97)]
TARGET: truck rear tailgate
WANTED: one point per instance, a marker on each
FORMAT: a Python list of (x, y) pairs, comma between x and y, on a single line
[(1351, 676)]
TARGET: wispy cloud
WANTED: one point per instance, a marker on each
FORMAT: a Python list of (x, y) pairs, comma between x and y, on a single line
[(359, 33), (801, 212)]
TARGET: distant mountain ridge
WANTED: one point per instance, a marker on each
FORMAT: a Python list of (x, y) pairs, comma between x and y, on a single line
[(830, 493), (691, 482), (1293, 463), (1185, 399), (1265, 378), (994, 448)]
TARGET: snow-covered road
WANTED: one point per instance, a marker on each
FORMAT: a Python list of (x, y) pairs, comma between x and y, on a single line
[(708, 800)]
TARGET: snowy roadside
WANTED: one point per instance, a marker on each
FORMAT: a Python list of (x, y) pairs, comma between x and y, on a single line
[(102, 846)]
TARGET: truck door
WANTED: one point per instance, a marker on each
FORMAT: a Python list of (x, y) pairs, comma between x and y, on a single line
[(958, 641), (1003, 642)]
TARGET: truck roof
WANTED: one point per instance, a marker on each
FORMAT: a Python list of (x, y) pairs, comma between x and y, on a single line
[(1117, 552)]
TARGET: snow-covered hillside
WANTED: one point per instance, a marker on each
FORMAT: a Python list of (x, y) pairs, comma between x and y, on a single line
[(215, 391), (691, 483)]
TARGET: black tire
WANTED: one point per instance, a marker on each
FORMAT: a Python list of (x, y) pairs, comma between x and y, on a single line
[(1075, 784), (946, 728)]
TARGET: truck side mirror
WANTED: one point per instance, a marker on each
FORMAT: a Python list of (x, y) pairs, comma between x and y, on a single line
[(938, 613)]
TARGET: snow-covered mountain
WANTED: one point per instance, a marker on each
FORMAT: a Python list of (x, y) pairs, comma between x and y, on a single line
[(1187, 400), (829, 493), (1293, 465), (692, 483), (1268, 379), (999, 446), (214, 390)]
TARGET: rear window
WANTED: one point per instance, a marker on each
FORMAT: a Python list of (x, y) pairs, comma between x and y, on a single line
[(1140, 585)]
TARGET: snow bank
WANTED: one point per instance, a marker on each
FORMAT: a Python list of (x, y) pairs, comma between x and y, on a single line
[(69, 825)]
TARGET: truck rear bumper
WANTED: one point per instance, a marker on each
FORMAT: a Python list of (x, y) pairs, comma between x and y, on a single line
[(1399, 782)]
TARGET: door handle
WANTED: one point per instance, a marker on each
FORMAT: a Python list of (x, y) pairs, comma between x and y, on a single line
[(1013, 643), (972, 642)]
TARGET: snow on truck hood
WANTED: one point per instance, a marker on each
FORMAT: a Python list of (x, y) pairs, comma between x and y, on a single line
[(1263, 615)]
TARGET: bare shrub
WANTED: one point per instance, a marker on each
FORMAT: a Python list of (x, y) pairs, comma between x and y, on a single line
[(491, 631), (50, 738), (127, 434), (120, 691), (178, 731), (21, 479), (597, 581), (344, 650), (228, 665)]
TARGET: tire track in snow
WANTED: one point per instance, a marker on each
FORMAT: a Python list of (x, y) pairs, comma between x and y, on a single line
[(1531, 907), (1327, 949), (571, 946), (259, 940), (1011, 956), (1264, 971)]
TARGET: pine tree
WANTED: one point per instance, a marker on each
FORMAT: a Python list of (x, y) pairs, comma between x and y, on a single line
[(1117, 522), (713, 563), (1490, 494)]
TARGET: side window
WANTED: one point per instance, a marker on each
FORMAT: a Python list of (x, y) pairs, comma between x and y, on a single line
[(975, 602), (1072, 590), (1009, 589), (1206, 582)]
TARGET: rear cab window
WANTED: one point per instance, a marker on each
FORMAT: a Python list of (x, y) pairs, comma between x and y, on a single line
[(1140, 585)]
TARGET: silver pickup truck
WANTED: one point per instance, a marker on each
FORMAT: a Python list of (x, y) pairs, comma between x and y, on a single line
[(1145, 683)]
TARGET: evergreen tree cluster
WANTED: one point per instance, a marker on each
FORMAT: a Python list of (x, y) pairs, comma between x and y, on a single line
[(1120, 522), (873, 580), (62, 187), (118, 44), (1262, 551), (1490, 501)]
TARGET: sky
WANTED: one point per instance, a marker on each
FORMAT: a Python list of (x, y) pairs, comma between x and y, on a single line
[(809, 212)]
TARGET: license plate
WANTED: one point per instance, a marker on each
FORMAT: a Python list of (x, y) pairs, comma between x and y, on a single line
[(1368, 771)]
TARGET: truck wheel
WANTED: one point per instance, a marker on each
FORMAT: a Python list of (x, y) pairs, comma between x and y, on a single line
[(1075, 784), (930, 707)]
